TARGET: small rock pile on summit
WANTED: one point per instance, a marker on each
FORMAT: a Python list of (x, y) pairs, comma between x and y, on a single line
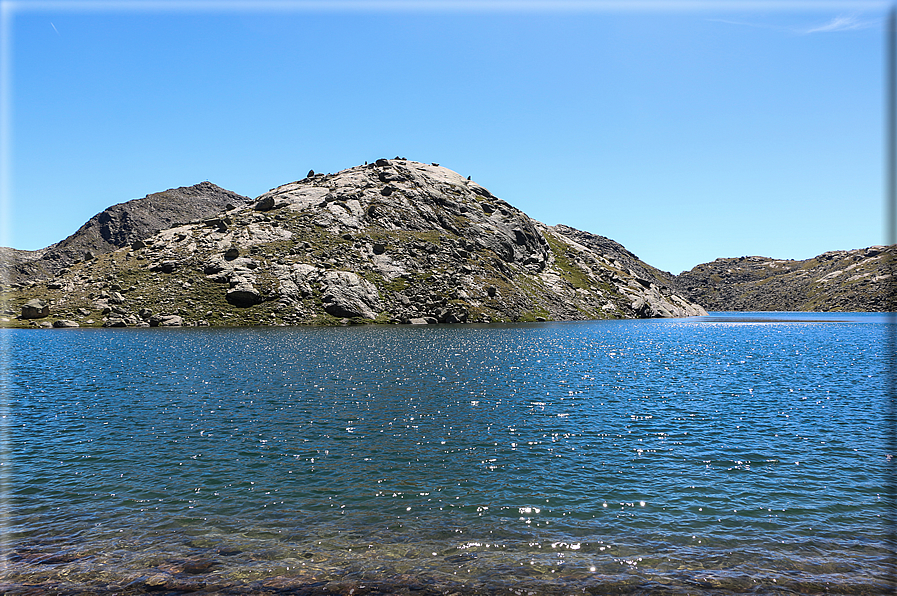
[(394, 241)]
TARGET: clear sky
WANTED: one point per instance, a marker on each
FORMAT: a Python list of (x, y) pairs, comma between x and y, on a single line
[(686, 131)]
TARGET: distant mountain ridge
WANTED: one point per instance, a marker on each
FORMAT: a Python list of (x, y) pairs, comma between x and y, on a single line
[(118, 226), (841, 280)]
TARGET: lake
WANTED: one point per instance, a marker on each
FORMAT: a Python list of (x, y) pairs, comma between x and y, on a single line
[(739, 452)]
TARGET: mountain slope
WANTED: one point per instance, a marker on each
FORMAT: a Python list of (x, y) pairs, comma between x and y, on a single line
[(393, 241), (844, 280), (119, 226)]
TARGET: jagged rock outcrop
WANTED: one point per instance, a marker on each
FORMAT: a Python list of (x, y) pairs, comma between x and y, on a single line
[(394, 241), (119, 226), (842, 280)]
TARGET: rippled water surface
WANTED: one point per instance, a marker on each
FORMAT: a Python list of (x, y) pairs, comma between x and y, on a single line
[(743, 452)]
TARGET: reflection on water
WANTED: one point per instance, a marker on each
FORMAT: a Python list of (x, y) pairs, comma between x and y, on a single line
[(688, 455)]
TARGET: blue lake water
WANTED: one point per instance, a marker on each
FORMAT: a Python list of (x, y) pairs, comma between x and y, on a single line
[(736, 452)]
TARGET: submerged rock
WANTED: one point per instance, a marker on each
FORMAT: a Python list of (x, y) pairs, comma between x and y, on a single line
[(197, 566)]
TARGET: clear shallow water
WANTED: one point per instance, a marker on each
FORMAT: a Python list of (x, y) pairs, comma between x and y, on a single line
[(739, 452)]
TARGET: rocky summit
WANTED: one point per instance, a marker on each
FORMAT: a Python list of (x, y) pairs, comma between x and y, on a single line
[(842, 280), (394, 241)]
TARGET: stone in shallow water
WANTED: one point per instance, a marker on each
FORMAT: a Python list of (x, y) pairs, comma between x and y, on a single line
[(157, 581), (197, 566)]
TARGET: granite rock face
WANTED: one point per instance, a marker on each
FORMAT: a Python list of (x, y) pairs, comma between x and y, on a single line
[(347, 295), (394, 241), (843, 280)]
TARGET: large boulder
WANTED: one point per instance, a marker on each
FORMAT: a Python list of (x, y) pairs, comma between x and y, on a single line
[(242, 293), (35, 309), (166, 321), (266, 204), (347, 295), (295, 281), (65, 324)]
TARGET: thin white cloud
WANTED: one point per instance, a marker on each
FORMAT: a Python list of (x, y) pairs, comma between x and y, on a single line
[(842, 23), (749, 24), (838, 23)]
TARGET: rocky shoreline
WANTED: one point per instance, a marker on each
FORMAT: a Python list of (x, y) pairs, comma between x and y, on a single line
[(422, 586)]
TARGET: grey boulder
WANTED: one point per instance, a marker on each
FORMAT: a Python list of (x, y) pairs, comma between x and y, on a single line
[(347, 295), (35, 309), (64, 324), (166, 321), (242, 294)]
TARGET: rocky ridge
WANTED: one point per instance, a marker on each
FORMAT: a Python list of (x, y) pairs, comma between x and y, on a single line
[(842, 280), (394, 241), (116, 227)]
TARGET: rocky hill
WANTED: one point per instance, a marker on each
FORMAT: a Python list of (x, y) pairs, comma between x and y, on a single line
[(394, 241), (843, 280), (119, 226)]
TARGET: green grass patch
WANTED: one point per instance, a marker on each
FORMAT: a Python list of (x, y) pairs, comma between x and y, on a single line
[(534, 314), (570, 272), (398, 284)]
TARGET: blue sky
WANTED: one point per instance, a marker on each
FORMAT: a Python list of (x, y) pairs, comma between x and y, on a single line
[(685, 131)]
